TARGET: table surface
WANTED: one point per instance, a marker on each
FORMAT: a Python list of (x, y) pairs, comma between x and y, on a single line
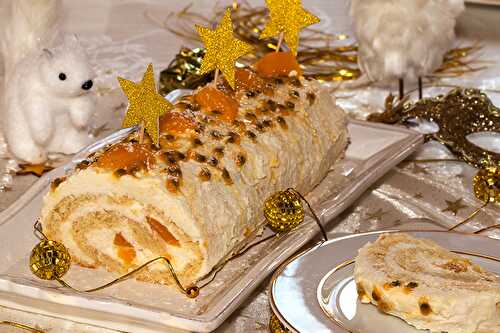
[(124, 36)]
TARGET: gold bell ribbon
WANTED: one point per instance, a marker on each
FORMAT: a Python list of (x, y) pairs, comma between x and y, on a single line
[(486, 185), (50, 260), (284, 211)]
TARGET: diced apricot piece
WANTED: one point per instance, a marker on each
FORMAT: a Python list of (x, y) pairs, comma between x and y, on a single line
[(125, 250), (248, 80), (162, 231), (127, 156), (127, 254), (215, 102), (276, 64), (175, 122)]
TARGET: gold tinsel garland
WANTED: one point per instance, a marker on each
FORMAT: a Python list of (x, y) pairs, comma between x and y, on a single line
[(323, 56)]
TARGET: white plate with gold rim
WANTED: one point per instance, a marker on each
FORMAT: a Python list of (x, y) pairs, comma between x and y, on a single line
[(315, 291), (134, 306), (484, 2)]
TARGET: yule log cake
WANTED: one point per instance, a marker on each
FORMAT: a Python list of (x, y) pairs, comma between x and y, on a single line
[(199, 195)]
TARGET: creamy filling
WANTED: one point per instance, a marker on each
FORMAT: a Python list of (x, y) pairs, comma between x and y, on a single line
[(102, 238)]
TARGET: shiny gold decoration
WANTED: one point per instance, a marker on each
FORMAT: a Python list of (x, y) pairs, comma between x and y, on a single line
[(486, 184), (33, 169), (191, 292), (459, 113), (20, 326), (319, 52), (454, 206), (275, 325), (283, 211), (145, 104), (50, 260), (222, 49), (287, 17), (459, 61), (184, 72)]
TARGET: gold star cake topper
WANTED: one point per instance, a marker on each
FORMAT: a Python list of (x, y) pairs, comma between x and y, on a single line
[(287, 18), (145, 104), (222, 48)]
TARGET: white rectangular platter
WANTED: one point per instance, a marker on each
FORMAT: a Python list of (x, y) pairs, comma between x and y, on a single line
[(141, 307)]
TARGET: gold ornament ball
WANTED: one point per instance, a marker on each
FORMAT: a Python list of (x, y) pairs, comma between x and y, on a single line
[(283, 211), (50, 260), (487, 184)]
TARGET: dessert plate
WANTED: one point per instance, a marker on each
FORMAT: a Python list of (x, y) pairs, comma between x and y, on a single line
[(318, 283), (141, 307), (484, 2)]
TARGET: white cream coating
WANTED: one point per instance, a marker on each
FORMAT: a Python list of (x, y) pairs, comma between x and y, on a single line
[(214, 215), (465, 304)]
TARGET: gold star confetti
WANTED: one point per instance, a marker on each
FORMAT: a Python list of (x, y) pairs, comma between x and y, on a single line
[(145, 104), (287, 17), (222, 48), (454, 206), (376, 215), (33, 169)]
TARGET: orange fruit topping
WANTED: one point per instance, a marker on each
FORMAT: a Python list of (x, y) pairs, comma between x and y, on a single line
[(127, 156), (215, 102), (175, 122), (276, 64)]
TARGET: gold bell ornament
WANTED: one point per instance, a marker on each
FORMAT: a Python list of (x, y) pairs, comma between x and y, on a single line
[(486, 186)]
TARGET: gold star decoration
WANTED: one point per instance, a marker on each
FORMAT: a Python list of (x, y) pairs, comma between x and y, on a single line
[(287, 17), (376, 215), (145, 104), (222, 49), (454, 206), (33, 169)]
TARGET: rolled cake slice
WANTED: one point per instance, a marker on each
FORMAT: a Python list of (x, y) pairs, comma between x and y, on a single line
[(199, 195), (427, 286)]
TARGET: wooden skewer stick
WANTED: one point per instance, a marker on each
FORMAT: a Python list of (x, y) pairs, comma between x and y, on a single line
[(141, 133), (280, 41), (216, 77)]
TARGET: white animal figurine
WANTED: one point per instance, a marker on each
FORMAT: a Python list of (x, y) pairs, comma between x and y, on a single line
[(47, 102), (403, 39)]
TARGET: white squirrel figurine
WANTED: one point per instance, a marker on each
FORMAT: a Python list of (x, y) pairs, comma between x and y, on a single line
[(47, 101), (403, 39)]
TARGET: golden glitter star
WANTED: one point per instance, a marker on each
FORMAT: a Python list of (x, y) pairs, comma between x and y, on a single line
[(222, 48), (34, 169), (145, 104), (376, 215), (454, 206), (287, 17)]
